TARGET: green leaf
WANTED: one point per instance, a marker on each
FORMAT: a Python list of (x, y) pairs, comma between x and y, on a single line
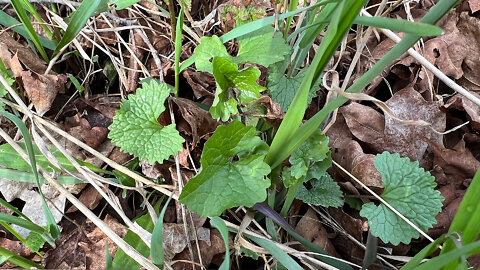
[(11, 159), (325, 192), (418, 28), (156, 246), (262, 47), (233, 87), (224, 183), (278, 253), (311, 152), (35, 241), (410, 190), (208, 48), (255, 47), (121, 4), (79, 18), (135, 127), (466, 219), (8, 21), (283, 89)]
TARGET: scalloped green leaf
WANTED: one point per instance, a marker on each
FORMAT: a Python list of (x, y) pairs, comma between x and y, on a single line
[(410, 190), (283, 88), (35, 241), (135, 128), (262, 47), (208, 48), (233, 87), (324, 192), (224, 183), (309, 154)]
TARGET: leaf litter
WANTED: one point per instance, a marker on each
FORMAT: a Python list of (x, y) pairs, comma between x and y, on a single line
[(360, 132)]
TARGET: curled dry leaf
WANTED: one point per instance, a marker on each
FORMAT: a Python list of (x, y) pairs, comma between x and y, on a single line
[(349, 154), (25, 65), (312, 229), (365, 123), (200, 121), (457, 163), (460, 102), (175, 241), (456, 53)]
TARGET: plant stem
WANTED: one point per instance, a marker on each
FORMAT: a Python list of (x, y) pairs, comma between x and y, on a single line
[(291, 193), (178, 49), (173, 19)]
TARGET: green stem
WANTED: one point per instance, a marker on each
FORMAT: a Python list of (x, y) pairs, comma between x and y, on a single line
[(178, 49), (291, 193), (18, 260)]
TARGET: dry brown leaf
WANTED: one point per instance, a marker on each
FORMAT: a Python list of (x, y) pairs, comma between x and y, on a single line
[(407, 139), (460, 102), (200, 122), (89, 197), (474, 5), (365, 123), (349, 154), (312, 229), (25, 65), (459, 164)]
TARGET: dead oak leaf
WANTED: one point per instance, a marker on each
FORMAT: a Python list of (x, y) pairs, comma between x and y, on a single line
[(407, 140)]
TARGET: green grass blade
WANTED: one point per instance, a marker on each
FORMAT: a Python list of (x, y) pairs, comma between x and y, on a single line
[(13, 209), (307, 129), (178, 49), (400, 25), (28, 177), (78, 21), (453, 255), (25, 19), (417, 28), (323, 17), (276, 252), (108, 258), (51, 224), (425, 252), (156, 246), (293, 5), (8, 21), (34, 12), (18, 260), (222, 228), (187, 63), (342, 19), (122, 4), (76, 83), (467, 218), (22, 223)]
